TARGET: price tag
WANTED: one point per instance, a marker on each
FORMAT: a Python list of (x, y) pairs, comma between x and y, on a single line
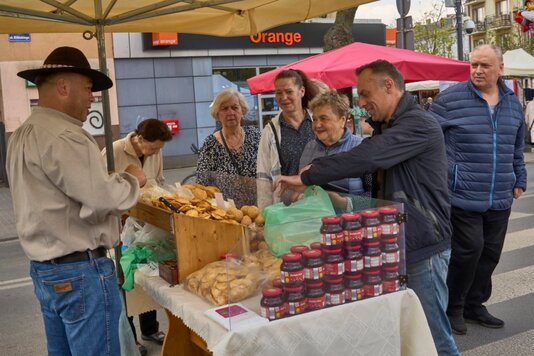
[(219, 200)]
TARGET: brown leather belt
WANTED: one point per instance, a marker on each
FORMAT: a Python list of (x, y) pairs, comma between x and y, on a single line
[(80, 256)]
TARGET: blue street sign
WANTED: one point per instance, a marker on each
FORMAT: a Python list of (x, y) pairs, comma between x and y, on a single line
[(19, 37)]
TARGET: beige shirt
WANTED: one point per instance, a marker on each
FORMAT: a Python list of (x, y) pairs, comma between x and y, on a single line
[(63, 197), (124, 154)]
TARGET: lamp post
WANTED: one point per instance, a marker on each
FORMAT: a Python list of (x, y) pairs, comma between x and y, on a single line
[(459, 29)]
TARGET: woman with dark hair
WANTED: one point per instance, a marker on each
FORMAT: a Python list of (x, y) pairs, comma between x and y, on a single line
[(282, 143), (142, 147)]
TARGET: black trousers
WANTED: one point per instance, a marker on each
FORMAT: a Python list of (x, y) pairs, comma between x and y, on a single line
[(147, 321), (477, 243)]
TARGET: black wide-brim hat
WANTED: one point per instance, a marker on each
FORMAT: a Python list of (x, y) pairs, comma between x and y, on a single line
[(68, 59)]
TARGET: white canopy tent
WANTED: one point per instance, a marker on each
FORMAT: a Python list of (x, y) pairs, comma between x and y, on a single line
[(518, 63)]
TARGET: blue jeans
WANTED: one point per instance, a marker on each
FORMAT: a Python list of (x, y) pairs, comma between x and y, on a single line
[(428, 279), (81, 305)]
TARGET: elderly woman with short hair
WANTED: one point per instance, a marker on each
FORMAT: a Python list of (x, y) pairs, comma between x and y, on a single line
[(330, 111), (233, 149)]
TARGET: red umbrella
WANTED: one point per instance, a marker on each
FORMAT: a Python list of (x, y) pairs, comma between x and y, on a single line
[(336, 67)]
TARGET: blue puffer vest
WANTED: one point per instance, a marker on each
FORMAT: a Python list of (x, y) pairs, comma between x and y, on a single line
[(484, 151)]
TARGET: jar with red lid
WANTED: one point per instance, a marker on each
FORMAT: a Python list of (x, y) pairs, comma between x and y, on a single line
[(291, 270), (370, 225), (315, 295), (390, 252), (372, 255), (315, 246), (331, 231), (334, 264), (352, 228), (388, 218), (372, 283), (313, 265), (277, 283), (390, 279), (299, 248), (272, 304), (295, 300), (335, 290), (353, 259), (353, 287)]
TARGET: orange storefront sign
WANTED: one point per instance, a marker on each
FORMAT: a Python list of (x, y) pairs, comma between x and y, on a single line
[(164, 39), (287, 38)]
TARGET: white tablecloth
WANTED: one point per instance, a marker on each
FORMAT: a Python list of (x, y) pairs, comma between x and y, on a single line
[(392, 324)]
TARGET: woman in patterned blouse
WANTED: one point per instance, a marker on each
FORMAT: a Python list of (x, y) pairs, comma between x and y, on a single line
[(230, 151)]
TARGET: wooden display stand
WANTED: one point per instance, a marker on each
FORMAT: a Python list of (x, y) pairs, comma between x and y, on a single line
[(198, 241)]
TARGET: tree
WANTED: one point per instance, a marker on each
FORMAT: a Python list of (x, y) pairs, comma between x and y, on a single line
[(434, 33), (340, 34)]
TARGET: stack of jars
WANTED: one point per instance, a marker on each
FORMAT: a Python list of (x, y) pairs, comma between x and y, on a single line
[(358, 257)]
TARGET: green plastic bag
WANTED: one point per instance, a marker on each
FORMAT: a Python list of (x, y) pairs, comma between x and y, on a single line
[(298, 223)]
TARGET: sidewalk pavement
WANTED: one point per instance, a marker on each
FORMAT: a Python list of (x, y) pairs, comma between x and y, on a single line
[(7, 217)]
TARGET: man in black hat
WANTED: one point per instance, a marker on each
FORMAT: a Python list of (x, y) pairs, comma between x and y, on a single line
[(67, 208)]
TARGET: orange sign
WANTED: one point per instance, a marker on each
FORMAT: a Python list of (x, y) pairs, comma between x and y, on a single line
[(287, 38), (164, 39)]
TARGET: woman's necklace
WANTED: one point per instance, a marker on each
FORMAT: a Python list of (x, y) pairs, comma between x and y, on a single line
[(234, 142)]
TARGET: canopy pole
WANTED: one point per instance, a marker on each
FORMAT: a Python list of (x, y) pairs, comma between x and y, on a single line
[(108, 134)]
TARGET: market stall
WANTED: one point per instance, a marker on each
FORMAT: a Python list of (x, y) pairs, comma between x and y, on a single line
[(315, 279)]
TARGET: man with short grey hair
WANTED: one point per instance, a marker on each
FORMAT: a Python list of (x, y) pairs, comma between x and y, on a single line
[(483, 126)]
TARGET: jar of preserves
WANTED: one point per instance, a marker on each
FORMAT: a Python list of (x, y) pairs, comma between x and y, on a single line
[(390, 279), (272, 304), (352, 228), (353, 259), (370, 225), (315, 246), (333, 262), (388, 218), (291, 270), (390, 252), (315, 295), (277, 283), (299, 248), (331, 231), (295, 300), (372, 283), (313, 265), (372, 255), (335, 290), (353, 287)]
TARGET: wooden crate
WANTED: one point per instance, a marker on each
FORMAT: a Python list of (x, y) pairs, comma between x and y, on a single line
[(198, 241)]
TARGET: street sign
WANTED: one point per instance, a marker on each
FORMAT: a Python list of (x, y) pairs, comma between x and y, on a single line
[(403, 6), (19, 37)]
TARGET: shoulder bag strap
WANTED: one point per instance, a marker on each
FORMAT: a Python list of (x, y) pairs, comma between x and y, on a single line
[(232, 158), (277, 147)]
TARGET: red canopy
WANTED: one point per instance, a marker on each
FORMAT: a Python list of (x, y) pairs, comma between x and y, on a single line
[(336, 67)]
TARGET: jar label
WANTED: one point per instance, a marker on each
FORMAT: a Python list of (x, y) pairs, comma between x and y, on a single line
[(372, 290), (390, 257), (371, 232), (334, 239), (273, 313), (335, 298), (334, 269), (314, 273), (354, 265), (373, 261), (315, 303), (292, 277), (297, 307), (352, 235), (390, 229), (391, 286), (354, 294)]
